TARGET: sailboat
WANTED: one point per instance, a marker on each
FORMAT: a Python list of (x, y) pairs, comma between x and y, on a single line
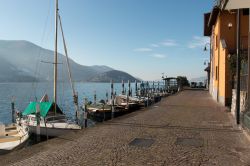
[(45, 117)]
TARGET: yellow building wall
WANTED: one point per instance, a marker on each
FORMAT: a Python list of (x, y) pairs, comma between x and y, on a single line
[(229, 36), (222, 85), (215, 59), (222, 74)]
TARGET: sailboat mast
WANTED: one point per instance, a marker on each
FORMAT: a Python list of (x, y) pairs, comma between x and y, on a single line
[(55, 54)]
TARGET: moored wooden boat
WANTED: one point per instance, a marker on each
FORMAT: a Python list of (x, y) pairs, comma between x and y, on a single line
[(50, 124), (12, 137), (128, 103)]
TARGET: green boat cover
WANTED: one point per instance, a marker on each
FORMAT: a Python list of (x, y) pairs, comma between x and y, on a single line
[(44, 108)]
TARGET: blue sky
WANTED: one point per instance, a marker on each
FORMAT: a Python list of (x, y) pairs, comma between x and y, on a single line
[(142, 37)]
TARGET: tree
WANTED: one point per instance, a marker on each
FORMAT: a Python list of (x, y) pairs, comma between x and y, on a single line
[(183, 81)]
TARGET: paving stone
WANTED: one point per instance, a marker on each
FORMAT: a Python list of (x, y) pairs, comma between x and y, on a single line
[(189, 114)]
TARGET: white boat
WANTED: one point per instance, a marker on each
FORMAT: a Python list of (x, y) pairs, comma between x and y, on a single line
[(128, 102), (12, 136), (49, 124), (44, 117)]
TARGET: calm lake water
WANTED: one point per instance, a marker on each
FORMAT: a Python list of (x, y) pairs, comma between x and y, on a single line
[(24, 93)]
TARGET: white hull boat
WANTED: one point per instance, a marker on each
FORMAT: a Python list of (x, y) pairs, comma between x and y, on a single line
[(12, 137), (54, 126), (49, 124)]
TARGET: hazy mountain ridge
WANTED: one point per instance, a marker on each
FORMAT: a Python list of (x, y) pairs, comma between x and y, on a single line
[(9, 73), (24, 61), (199, 79), (115, 75)]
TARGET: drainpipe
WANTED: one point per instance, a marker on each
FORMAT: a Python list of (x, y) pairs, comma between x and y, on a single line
[(248, 87), (238, 70), (248, 80)]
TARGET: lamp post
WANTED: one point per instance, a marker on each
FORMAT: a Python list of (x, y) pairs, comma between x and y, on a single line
[(164, 81), (207, 69), (208, 64), (237, 108)]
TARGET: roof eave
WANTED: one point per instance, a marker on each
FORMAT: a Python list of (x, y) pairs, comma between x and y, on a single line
[(210, 20)]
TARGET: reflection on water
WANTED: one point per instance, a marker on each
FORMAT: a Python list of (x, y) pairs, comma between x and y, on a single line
[(23, 93)]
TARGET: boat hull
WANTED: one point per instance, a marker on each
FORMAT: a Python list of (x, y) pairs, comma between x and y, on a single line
[(51, 131), (11, 143), (100, 116)]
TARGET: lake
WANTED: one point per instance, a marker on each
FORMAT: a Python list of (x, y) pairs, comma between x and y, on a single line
[(23, 93)]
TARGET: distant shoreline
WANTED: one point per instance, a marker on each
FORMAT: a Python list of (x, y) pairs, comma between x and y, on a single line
[(7, 82)]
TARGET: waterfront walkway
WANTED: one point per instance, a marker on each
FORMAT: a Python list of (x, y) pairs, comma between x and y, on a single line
[(188, 128)]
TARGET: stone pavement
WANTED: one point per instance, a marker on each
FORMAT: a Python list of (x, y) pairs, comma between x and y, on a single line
[(188, 128)]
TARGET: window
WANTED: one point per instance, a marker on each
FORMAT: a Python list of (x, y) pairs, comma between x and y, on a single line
[(245, 12), (216, 73), (216, 41)]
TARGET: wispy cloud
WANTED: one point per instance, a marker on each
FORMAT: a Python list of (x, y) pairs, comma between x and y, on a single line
[(169, 43), (143, 49), (198, 41), (160, 56), (154, 45)]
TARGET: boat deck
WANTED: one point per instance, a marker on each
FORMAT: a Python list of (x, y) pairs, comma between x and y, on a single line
[(11, 134), (9, 139)]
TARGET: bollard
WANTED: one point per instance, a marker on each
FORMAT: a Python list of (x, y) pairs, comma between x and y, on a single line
[(158, 87), (141, 89), (85, 118), (77, 113), (128, 100), (94, 97), (85, 113), (107, 97), (46, 129), (147, 87), (112, 99), (136, 89), (147, 99), (153, 87), (123, 92), (38, 130), (129, 88), (13, 110)]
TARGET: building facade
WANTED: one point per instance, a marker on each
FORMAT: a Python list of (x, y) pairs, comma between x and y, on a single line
[(221, 26)]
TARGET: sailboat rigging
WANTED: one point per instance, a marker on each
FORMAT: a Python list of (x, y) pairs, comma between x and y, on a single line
[(55, 55), (75, 95), (53, 121)]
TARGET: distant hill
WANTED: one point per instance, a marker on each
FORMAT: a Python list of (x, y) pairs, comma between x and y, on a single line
[(24, 61), (115, 75), (101, 69), (9, 73), (199, 79)]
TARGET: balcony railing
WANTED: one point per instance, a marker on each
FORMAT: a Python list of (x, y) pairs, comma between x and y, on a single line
[(243, 72)]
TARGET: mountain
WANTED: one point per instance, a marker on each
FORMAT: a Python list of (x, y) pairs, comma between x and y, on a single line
[(115, 75), (101, 68), (10, 73), (199, 79), (24, 61)]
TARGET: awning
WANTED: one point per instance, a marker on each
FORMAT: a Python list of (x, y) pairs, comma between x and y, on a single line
[(170, 78), (237, 4), (44, 108), (207, 29)]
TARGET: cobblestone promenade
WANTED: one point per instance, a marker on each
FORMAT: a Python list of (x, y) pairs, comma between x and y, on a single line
[(185, 129)]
